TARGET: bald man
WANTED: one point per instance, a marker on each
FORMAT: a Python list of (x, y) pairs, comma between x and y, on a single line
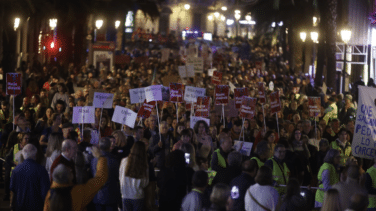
[(68, 154)]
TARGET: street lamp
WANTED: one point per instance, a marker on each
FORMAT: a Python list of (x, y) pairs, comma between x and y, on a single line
[(345, 35), (18, 45), (99, 24), (16, 23), (303, 37), (314, 36), (216, 14), (210, 17), (224, 8), (187, 6), (117, 24), (237, 17), (53, 23)]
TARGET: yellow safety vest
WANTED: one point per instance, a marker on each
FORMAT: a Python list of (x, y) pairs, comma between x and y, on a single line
[(16, 149), (259, 162), (281, 176), (334, 178), (372, 198), (345, 153), (211, 175), (221, 159)]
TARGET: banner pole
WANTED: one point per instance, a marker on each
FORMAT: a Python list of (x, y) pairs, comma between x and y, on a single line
[(99, 124), (243, 129), (13, 112), (276, 116), (263, 115), (159, 131), (177, 113), (223, 113), (83, 118)]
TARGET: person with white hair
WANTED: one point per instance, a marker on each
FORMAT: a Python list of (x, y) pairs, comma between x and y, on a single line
[(29, 183), (69, 151)]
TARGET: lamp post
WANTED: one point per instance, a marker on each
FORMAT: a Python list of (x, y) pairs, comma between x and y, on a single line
[(303, 37), (98, 25), (186, 7), (314, 38), (237, 17), (248, 18), (345, 35), (18, 45)]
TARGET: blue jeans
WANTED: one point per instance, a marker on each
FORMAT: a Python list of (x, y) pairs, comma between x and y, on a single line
[(133, 204)]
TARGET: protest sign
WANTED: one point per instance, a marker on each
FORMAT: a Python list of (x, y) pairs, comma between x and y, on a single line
[(14, 84), (103, 100), (197, 62), (261, 92), (211, 71), (137, 95), (146, 109), (91, 94), (153, 93), (230, 109), (165, 54), (195, 119), (192, 51), (83, 115), (248, 108), (363, 144), (238, 95), (124, 116), (176, 92), (221, 94), (186, 71), (192, 93), (314, 105), (217, 78), (275, 103), (202, 107), (165, 94), (245, 149), (94, 137)]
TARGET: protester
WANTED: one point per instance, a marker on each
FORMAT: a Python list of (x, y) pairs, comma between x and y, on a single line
[(293, 200), (331, 200), (55, 142), (220, 198), (195, 200), (68, 152), (262, 153)]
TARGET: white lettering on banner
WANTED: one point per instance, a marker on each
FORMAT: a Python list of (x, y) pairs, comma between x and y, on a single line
[(137, 95), (195, 119), (124, 116), (153, 93), (82, 115), (364, 144), (103, 100), (192, 93)]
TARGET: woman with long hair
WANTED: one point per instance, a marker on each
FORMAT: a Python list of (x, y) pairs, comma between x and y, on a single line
[(43, 115), (55, 123), (53, 149), (331, 201), (177, 132), (134, 177), (104, 128), (201, 130), (188, 148), (122, 146)]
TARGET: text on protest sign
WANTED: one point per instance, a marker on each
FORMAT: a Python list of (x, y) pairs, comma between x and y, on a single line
[(153, 93), (275, 103), (137, 95), (195, 119), (197, 62), (221, 94), (186, 71), (14, 84), (124, 116), (103, 100), (192, 93), (248, 108), (239, 93), (202, 106), (245, 149), (176, 92), (314, 105), (217, 78), (146, 109), (230, 109), (83, 115), (261, 92), (363, 144)]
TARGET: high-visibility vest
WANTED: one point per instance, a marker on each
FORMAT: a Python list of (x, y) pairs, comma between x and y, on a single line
[(372, 198), (280, 176), (345, 153), (16, 149), (221, 159), (334, 178), (211, 175), (259, 162)]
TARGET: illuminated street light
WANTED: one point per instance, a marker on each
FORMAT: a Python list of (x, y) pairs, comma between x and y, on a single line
[(237, 11), (53, 23), (248, 18), (224, 8), (117, 24), (223, 18), (314, 20), (273, 24), (216, 14), (314, 36), (210, 17), (99, 24), (187, 6), (229, 22), (16, 23), (346, 36), (237, 16), (303, 36)]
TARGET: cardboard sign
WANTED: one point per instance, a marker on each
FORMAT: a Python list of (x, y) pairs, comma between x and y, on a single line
[(137, 95), (271, 86), (192, 93), (176, 92), (248, 108), (314, 105), (275, 103), (165, 54), (197, 62), (165, 94), (261, 92), (202, 107), (211, 72), (221, 94), (195, 119), (103, 100), (146, 109), (230, 109), (14, 84), (124, 116), (245, 149), (153, 93), (295, 90), (91, 94), (186, 71), (217, 78), (94, 137), (82, 115), (239, 94)]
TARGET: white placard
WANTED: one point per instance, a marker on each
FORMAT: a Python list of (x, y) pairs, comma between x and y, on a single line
[(83, 114), (197, 62), (153, 93), (137, 95), (192, 93), (190, 71), (195, 119), (186, 71), (103, 100), (124, 116), (182, 72), (246, 149), (94, 137), (211, 71)]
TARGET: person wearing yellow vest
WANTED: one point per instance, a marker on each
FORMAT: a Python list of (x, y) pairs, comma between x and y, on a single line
[(342, 145), (13, 158), (371, 186), (331, 111), (327, 176), (279, 168), (219, 157), (262, 153)]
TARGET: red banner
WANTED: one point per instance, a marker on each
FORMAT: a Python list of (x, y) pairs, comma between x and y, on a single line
[(275, 103), (261, 92), (239, 94), (248, 108), (217, 78), (202, 107), (146, 109), (14, 84), (221, 94), (314, 105), (176, 92)]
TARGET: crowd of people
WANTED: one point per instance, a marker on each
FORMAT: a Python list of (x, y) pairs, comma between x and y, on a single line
[(297, 162)]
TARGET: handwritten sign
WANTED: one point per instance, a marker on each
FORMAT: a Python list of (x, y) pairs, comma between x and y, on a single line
[(202, 107), (217, 77), (230, 109), (186, 71), (83, 115), (364, 144), (146, 109), (239, 94), (195, 119), (14, 84), (261, 92), (192, 93), (248, 107), (245, 149), (275, 103), (314, 105), (221, 94), (176, 92), (137, 95), (153, 93), (124, 116), (197, 62), (103, 100)]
